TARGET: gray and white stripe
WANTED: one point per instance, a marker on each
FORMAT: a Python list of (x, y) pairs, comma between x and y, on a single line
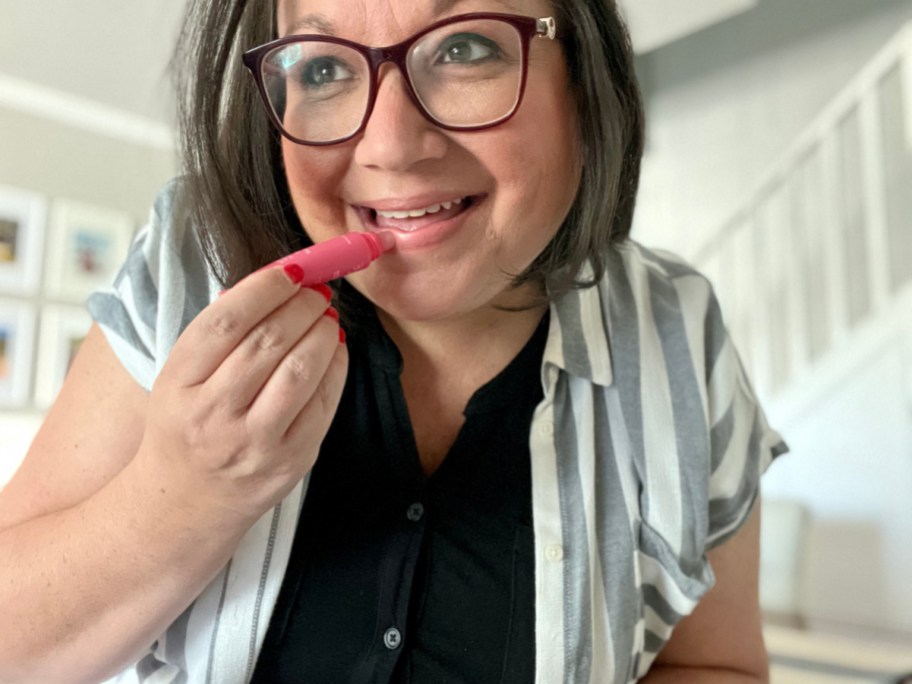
[(647, 450), (651, 463)]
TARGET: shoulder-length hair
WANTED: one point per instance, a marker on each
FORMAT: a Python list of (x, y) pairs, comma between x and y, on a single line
[(235, 185)]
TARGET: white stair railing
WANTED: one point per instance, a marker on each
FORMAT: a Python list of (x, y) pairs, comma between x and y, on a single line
[(822, 247)]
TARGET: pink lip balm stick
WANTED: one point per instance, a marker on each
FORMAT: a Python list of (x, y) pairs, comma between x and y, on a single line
[(338, 256)]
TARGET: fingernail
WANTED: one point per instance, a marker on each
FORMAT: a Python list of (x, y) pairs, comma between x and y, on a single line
[(341, 336), (324, 290), (294, 272), (332, 313)]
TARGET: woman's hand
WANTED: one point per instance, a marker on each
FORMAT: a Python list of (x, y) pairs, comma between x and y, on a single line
[(237, 415), (129, 503)]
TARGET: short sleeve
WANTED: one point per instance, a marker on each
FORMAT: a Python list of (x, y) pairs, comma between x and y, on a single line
[(742, 443), (163, 284)]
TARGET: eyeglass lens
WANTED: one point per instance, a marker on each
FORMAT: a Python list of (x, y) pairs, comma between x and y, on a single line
[(464, 74)]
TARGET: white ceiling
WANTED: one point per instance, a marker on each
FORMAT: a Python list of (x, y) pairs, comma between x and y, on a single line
[(115, 53), (654, 23)]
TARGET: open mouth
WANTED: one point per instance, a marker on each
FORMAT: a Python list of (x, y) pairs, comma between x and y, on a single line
[(410, 220)]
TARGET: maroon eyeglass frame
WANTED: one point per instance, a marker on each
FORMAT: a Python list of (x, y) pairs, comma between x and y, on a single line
[(527, 27)]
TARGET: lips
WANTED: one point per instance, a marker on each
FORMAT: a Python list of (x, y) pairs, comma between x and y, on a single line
[(420, 222)]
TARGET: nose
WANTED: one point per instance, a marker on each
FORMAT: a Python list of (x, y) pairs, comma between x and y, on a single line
[(397, 136)]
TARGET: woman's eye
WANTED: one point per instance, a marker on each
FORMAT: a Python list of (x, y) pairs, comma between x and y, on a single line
[(467, 49), (323, 71)]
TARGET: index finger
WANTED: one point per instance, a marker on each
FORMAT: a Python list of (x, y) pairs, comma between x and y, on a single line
[(220, 327)]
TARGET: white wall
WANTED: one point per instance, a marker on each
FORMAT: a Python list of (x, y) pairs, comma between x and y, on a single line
[(723, 106), (17, 429), (850, 430), (58, 160), (85, 112)]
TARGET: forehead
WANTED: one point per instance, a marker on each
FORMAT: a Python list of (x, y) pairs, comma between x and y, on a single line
[(381, 22)]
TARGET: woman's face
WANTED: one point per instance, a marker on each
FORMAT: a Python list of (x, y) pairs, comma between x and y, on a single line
[(507, 188)]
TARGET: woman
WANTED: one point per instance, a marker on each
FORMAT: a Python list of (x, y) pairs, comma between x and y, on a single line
[(527, 454)]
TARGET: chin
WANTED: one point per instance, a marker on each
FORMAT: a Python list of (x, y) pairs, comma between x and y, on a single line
[(414, 303), (417, 309)]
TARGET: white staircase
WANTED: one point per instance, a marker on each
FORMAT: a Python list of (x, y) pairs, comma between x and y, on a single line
[(814, 275), (822, 247)]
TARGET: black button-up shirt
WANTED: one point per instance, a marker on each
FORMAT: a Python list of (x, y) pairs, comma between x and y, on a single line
[(398, 577)]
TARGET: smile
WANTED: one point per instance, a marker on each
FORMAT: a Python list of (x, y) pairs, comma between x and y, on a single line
[(411, 219)]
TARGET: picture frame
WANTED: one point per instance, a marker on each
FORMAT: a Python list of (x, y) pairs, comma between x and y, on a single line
[(86, 247), (61, 330), (17, 341), (22, 229)]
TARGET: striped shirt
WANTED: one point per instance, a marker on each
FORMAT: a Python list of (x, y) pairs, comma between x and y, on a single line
[(647, 451)]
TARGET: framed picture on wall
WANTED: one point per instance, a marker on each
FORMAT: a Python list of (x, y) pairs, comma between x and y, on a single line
[(22, 218), (61, 331), (17, 340), (86, 246)]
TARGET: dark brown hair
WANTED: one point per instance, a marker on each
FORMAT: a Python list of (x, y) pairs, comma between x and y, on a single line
[(235, 185)]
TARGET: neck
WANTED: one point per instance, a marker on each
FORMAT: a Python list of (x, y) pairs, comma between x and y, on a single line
[(482, 342), (446, 362)]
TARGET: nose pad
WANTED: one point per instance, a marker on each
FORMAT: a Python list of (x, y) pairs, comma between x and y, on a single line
[(397, 134)]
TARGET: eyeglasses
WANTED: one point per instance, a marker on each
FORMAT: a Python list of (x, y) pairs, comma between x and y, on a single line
[(465, 73)]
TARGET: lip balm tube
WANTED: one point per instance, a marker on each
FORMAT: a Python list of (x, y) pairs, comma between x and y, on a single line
[(337, 256)]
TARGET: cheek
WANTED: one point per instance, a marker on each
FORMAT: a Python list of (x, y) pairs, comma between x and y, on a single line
[(538, 182), (543, 184), (314, 177), (543, 162)]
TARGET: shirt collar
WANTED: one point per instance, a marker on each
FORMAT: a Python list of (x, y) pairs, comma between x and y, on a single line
[(579, 337)]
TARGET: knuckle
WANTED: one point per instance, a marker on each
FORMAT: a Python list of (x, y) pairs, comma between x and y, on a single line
[(268, 337), (224, 324), (298, 368)]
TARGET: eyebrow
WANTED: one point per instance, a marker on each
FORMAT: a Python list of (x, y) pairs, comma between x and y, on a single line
[(316, 22), (322, 24), (443, 6)]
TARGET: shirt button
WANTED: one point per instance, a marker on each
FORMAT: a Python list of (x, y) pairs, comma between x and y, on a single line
[(554, 552), (414, 512), (392, 638), (547, 429)]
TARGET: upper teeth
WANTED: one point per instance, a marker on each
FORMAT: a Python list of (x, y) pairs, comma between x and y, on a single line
[(415, 213)]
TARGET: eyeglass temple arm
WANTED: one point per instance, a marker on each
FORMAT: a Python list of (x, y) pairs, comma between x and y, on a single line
[(545, 28)]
